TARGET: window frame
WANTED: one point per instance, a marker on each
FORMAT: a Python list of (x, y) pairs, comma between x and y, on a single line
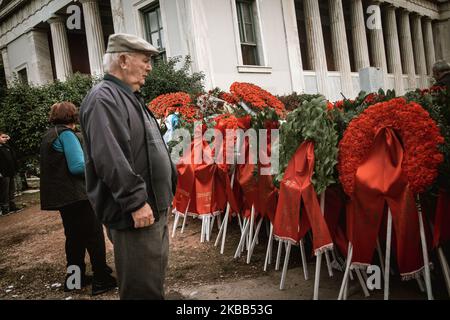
[(242, 25), (145, 14), (257, 33), (20, 68)]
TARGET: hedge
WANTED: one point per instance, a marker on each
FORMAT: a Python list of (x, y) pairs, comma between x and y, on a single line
[(24, 109)]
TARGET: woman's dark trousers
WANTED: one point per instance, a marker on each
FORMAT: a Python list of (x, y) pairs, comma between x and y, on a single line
[(84, 232)]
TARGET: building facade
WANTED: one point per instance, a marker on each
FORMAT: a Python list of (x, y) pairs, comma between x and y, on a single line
[(282, 45)]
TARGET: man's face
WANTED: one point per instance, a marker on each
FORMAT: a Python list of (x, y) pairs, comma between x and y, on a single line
[(138, 66), (4, 138)]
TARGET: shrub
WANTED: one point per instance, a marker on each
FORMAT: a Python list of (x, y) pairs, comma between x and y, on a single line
[(24, 109), (166, 78), (24, 114), (294, 100)]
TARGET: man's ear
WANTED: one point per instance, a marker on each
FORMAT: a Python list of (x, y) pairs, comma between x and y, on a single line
[(123, 61)]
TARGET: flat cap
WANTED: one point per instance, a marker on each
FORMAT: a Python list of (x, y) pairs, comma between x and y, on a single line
[(122, 42)]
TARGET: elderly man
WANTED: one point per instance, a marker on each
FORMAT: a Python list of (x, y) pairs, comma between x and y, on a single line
[(130, 177), (441, 72)]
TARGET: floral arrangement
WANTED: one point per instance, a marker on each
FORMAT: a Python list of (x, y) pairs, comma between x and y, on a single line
[(417, 131), (311, 122), (177, 102), (228, 97), (228, 121), (344, 111), (433, 89), (436, 100), (212, 103), (160, 105), (256, 98), (342, 105)]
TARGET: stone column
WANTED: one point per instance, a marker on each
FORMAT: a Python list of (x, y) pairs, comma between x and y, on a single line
[(407, 49), (293, 45), (61, 53), (419, 50), (430, 54), (94, 35), (393, 49), (360, 47), (377, 45), (6, 67), (40, 67), (118, 16), (316, 47), (340, 47), (200, 51), (441, 30)]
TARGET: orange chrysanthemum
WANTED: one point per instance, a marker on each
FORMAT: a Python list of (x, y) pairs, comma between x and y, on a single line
[(419, 134), (256, 97)]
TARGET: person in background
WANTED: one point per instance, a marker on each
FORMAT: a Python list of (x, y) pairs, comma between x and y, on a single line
[(63, 188), (130, 177), (8, 168), (441, 73)]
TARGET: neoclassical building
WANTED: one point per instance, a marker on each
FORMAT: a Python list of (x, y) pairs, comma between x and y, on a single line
[(282, 45)]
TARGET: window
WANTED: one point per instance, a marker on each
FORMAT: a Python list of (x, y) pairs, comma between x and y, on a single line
[(154, 30), (247, 32), (22, 75)]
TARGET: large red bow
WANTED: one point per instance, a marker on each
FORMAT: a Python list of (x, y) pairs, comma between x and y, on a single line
[(380, 179), (290, 222)]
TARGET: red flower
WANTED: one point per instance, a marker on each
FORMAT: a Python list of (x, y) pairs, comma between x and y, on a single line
[(245, 122), (339, 104), (256, 97), (179, 102), (419, 134), (372, 98), (231, 99), (171, 101)]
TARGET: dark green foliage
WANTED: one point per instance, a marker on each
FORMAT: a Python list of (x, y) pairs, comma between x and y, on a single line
[(310, 121), (24, 109), (293, 100), (24, 113), (166, 78)]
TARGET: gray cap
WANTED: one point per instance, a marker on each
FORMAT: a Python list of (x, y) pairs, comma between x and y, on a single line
[(122, 42)]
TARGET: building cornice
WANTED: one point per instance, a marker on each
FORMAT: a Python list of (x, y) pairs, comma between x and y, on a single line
[(11, 8), (427, 8), (444, 8), (29, 16)]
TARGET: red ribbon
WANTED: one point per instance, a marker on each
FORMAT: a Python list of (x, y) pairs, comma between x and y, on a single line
[(256, 189), (335, 217), (442, 219), (205, 186), (380, 179), (291, 222)]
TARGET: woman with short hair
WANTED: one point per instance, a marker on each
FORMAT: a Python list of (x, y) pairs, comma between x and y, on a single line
[(63, 188)]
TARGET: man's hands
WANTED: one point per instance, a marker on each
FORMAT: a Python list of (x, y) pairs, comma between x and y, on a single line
[(143, 217)]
